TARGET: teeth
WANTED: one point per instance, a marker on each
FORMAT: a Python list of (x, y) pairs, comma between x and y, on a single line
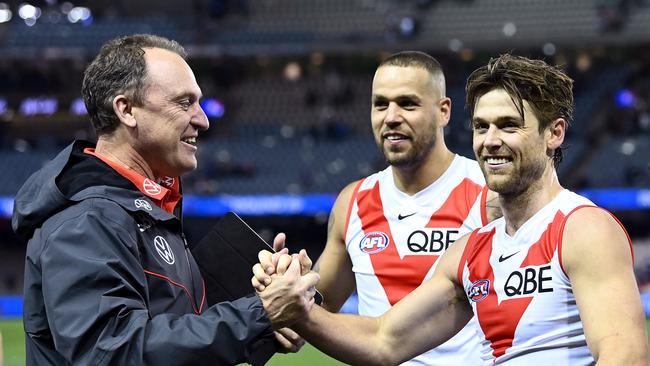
[(496, 160), (394, 138), (190, 140)]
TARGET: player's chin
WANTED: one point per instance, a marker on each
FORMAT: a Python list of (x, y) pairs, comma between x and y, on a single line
[(186, 165), (500, 183), (399, 160)]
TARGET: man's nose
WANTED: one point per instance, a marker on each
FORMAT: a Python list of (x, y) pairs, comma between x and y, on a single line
[(200, 120), (492, 137), (393, 114)]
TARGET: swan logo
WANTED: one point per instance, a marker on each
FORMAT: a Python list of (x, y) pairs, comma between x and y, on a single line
[(479, 290)]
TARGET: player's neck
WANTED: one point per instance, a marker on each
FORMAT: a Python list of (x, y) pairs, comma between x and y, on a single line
[(517, 209), (413, 179), (125, 155)]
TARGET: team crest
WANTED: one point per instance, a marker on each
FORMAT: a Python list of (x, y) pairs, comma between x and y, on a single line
[(479, 290), (374, 242)]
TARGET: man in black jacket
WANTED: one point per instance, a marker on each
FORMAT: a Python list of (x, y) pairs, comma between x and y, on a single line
[(109, 278)]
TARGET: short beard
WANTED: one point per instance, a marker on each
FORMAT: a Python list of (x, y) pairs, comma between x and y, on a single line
[(517, 185), (414, 157)]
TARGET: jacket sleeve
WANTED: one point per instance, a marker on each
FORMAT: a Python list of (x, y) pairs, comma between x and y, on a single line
[(94, 290)]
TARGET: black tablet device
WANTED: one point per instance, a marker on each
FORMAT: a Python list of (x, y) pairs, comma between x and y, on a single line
[(226, 256)]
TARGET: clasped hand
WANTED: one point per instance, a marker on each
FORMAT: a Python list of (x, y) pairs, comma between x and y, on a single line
[(286, 286)]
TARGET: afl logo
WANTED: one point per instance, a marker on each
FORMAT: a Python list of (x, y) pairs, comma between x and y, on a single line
[(479, 290), (140, 203), (150, 187), (163, 249), (374, 242)]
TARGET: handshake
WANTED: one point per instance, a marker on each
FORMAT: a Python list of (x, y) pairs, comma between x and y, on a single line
[(286, 285)]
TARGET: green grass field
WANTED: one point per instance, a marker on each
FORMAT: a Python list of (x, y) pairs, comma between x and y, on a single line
[(14, 349)]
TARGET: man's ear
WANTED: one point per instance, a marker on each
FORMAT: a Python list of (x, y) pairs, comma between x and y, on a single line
[(445, 111), (556, 132), (123, 108)]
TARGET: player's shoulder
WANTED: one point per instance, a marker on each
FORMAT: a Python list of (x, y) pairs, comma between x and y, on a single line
[(380, 177), (351, 189), (346, 193), (592, 235), (468, 168), (590, 221), (569, 202)]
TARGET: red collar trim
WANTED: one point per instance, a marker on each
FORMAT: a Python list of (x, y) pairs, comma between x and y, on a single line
[(166, 193)]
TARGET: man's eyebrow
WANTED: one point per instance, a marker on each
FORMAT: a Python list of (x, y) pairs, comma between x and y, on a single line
[(409, 96), (413, 97), (379, 97), (501, 119), (188, 95)]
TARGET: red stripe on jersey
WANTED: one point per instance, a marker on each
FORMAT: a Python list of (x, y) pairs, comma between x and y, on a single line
[(397, 276), (484, 193), (457, 207), (466, 253), (400, 276), (351, 204), (499, 321)]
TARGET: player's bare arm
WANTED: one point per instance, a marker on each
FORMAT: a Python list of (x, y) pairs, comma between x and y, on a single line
[(598, 260), (427, 317), (334, 265)]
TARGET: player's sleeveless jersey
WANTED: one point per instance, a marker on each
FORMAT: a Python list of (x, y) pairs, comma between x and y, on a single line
[(394, 241), (519, 292)]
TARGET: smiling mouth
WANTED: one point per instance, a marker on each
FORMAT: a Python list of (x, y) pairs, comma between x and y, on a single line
[(394, 137), (189, 141), (497, 161)]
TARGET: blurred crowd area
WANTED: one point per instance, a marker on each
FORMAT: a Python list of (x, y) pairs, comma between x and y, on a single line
[(301, 123), (287, 87)]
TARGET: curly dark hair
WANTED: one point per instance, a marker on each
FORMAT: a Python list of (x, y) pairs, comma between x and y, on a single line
[(547, 89), (119, 68)]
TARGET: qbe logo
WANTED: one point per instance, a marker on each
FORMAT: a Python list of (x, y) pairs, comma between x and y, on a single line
[(374, 242), (528, 281), (479, 290)]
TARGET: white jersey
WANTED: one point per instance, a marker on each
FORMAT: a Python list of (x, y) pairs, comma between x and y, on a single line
[(394, 241), (519, 292)]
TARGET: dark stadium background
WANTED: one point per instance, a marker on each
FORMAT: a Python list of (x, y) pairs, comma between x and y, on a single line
[(287, 89)]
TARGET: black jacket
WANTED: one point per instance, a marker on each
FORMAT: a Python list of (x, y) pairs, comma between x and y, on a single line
[(109, 278)]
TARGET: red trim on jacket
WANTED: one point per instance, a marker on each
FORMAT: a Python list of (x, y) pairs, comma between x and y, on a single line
[(165, 193), (194, 308)]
